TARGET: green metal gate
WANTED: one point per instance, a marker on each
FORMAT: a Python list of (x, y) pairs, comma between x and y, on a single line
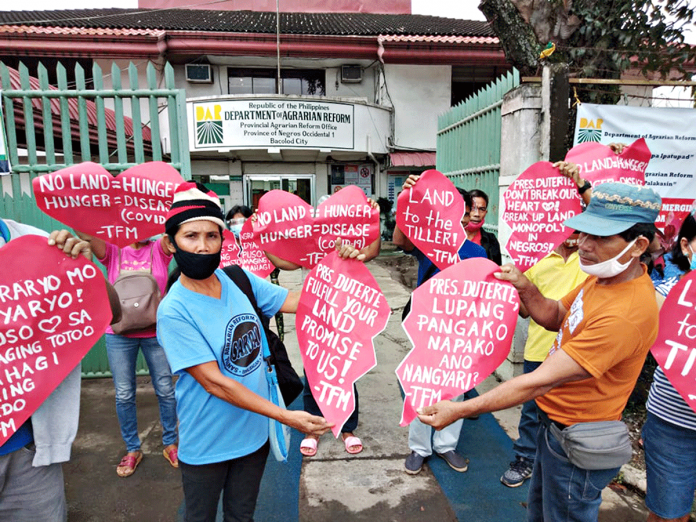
[(468, 141), (69, 117)]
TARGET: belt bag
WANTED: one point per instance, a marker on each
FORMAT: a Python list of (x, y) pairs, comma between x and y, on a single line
[(595, 445)]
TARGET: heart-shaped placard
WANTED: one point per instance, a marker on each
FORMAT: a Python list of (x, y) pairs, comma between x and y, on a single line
[(599, 164), (120, 210), (245, 252), (292, 230), (51, 314), (430, 215), (341, 311), (461, 325), (536, 205), (674, 350)]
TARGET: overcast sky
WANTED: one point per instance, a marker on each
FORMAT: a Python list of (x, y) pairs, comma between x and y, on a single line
[(464, 9)]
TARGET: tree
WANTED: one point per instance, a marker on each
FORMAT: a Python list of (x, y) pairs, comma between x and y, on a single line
[(596, 39)]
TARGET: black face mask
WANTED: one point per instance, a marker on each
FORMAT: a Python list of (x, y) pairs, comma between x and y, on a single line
[(196, 266)]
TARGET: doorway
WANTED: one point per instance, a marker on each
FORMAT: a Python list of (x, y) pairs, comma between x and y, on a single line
[(256, 185)]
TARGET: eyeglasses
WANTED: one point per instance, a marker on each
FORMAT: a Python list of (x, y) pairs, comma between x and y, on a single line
[(480, 209)]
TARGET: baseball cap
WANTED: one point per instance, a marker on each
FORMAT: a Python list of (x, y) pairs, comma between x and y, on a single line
[(616, 207)]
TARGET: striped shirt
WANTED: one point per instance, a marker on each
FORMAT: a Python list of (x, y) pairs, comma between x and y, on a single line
[(664, 400)]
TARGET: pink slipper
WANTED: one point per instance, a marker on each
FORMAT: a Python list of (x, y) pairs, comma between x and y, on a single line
[(308, 447), (353, 445)]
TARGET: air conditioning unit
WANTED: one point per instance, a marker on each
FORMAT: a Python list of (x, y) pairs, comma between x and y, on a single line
[(351, 73), (199, 73)]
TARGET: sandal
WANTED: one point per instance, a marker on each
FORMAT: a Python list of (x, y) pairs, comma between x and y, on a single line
[(172, 455), (353, 444), (308, 447), (128, 464)]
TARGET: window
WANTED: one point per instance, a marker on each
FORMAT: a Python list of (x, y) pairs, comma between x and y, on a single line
[(307, 82)]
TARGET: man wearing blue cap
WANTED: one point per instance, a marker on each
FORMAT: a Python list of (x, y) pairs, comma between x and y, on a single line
[(605, 328)]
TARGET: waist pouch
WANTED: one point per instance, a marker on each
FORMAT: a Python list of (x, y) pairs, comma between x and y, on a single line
[(595, 445)]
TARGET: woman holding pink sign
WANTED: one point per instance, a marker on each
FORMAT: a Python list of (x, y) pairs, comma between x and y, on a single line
[(669, 433), (146, 260)]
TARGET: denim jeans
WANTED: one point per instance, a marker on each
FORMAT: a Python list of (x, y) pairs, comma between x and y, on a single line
[(560, 491), (123, 353), (423, 439), (529, 424)]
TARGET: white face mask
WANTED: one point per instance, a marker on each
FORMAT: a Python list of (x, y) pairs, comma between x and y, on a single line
[(610, 267)]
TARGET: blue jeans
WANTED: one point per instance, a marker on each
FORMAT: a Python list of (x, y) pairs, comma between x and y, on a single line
[(525, 446), (560, 491), (670, 453), (123, 353)]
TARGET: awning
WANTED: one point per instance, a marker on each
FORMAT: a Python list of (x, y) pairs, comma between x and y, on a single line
[(412, 159)]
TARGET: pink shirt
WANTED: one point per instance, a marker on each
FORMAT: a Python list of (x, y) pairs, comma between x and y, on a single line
[(137, 259)]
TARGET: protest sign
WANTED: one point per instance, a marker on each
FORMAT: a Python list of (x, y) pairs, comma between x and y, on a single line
[(51, 314), (245, 252), (675, 347), (461, 325), (341, 311), (599, 164), (536, 205), (430, 215), (292, 230), (118, 209)]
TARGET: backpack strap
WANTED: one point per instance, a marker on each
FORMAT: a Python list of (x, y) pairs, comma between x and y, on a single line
[(5, 231), (239, 278)]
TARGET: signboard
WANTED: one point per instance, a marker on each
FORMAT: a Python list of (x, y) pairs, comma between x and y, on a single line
[(670, 134), (273, 123)]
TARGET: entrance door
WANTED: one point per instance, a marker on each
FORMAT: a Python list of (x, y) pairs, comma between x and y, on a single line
[(256, 185)]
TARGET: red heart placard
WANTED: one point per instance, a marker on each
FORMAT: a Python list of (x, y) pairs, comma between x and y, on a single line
[(120, 210), (536, 205), (51, 314), (245, 252), (674, 349), (461, 325), (341, 311), (292, 230), (430, 215), (599, 164)]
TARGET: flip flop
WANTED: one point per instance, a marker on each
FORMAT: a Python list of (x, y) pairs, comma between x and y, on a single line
[(172, 455), (353, 445), (128, 465), (308, 447)]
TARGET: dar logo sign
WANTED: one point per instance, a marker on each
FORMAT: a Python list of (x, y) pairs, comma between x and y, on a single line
[(208, 124)]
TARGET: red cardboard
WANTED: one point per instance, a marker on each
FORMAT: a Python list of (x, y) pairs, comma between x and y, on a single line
[(341, 311), (51, 314), (120, 210), (461, 325), (245, 252), (599, 164)]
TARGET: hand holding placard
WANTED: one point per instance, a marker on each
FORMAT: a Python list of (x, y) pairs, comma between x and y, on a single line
[(536, 205), (430, 214), (675, 346), (51, 314), (461, 325), (341, 311), (117, 209)]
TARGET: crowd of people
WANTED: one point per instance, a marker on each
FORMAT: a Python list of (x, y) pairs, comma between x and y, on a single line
[(593, 308)]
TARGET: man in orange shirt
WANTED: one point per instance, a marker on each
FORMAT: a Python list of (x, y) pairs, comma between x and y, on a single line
[(605, 328)]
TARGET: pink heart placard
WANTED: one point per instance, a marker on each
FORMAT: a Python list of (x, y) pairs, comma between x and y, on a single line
[(118, 209), (599, 164), (341, 311), (674, 350), (292, 230), (536, 205), (51, 314), (245, 252), (461, 325), (430, 215)]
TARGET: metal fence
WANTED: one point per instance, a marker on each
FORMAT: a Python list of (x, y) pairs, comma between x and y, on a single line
[(82, 120), (468, 141)]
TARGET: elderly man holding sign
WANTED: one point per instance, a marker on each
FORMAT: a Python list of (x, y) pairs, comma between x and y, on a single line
[(605, 328)]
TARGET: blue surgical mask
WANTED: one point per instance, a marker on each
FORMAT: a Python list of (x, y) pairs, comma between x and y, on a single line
[(236, 229), (692, 266)]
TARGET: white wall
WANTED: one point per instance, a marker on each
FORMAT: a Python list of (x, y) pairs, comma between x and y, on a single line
[(420, 93)]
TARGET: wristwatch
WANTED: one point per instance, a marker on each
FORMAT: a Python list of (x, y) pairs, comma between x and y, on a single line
[(586, 186)]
